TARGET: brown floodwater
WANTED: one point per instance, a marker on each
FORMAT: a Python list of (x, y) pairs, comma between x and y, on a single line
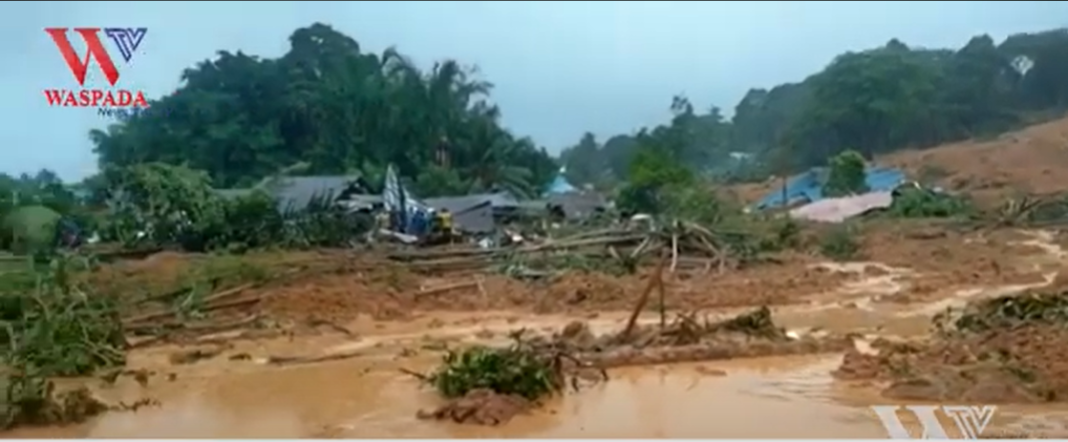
[(345, 399), (777, 397)]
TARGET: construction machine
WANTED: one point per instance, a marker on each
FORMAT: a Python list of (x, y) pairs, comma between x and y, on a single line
[(442, 229)]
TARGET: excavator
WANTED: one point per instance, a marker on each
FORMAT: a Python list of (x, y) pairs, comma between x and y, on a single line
[(441, 230), (430, 227)]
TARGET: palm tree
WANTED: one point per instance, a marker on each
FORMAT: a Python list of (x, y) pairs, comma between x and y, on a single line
[(495, 168)]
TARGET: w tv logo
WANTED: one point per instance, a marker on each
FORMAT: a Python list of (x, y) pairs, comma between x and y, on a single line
[(126, 40), (969, 420)]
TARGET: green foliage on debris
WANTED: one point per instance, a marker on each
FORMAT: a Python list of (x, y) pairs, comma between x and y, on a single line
[(60, 328), (57, 328), (910, 202), (521, 369), (1013, 311)]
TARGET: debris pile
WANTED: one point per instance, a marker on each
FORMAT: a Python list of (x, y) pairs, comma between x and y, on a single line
[(1032, 211), (56, 329), (480, 406), (1003, 350), (34, 401), (687, 339), (490, 385), (615, 250)]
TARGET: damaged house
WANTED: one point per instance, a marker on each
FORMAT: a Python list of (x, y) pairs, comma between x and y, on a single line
[(297, 192)]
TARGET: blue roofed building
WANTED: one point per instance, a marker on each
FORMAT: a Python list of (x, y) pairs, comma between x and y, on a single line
[(559, 185), (807, 186)]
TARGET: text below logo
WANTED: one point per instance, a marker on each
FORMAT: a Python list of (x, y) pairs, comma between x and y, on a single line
[(128, 113), (969, 420), (127, 40)]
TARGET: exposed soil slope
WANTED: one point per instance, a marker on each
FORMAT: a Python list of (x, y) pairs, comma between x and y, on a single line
[(1030, 160)]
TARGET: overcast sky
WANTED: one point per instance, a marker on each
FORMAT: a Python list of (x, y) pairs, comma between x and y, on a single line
[(560, 68)]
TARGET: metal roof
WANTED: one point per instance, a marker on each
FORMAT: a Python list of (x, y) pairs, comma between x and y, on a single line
[(297, 192), (808, 186)]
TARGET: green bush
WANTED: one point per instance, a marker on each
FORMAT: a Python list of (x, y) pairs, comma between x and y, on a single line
[(839, 244), (520, 369), (846, 175), (923, 203)]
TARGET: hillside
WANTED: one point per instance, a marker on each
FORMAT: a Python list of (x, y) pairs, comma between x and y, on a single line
[(1033, 160), (876, 101)]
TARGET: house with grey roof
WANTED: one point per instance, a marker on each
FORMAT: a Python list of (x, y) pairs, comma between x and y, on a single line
[(234, 193), (363, 202), (470, 213), (578, 205), (296, 192)]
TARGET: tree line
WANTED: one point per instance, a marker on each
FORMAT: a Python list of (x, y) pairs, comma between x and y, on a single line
[(338, 109), (329, 107), (873, 101)]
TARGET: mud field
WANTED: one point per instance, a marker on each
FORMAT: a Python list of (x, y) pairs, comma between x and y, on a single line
[(331, 351)]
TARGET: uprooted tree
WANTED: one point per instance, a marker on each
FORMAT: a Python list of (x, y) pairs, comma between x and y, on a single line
[(53, 328)]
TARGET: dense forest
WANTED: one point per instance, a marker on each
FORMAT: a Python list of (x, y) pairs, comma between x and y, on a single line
[(873, 101), (338, 109)]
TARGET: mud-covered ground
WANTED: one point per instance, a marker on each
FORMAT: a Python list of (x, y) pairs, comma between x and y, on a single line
[(1007, 349), (320, 312), (340, 286)]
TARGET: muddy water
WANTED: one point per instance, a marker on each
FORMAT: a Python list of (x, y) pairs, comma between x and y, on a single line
[(792, 397), (346, 399), (759, 398)]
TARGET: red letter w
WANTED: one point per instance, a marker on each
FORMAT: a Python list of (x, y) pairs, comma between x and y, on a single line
[(94, 48)]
